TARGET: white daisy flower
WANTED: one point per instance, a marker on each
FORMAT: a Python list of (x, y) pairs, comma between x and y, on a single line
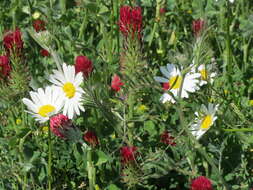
[(206, 73), (174, 79), (44, 103), (205, 119), (69, 83)]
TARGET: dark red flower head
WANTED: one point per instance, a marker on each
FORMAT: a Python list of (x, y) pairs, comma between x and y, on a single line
[(39, 25), (84, 65), (128, 154), (13, 42), (5, 67), (44, 53), (116, 83), (201, 183), (167, 139), (162, 11), (198, 26), (166, 86), (130, 22), (58, 124), (91, 138)]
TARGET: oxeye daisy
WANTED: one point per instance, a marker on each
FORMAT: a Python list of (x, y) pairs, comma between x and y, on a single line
[(44, 103), (207, 75), (174, 80), (69, 83), (205, 119)]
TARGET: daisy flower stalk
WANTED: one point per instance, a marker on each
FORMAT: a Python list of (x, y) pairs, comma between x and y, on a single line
[(44, 103), (177, 84), (69, 84), (204, 120)]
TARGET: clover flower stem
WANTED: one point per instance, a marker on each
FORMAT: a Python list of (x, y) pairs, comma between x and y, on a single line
[(158, 6), (49, 165), (228, 68), (91, 170), (117, 18), (83, 26), (51, 4), (130, 125)]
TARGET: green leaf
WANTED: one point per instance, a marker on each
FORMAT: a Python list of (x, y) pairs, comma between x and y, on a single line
[(102, 158), (149, 126), (112, 187)]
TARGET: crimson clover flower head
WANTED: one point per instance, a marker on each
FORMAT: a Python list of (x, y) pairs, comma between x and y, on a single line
[(167, 139), (84, 65), (166, 86), (44, 53), (198, 26), (201, 183), (91, 138), (162, 11), (39, 25), (130, 22), (116, 83), (128, 154), (58, 124), (5, 67), (12, 41)]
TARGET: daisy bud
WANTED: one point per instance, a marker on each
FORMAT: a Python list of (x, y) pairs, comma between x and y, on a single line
[(39, 25), (198, 26), (128, 154), (201, 183), (13, 42), (44, 53), (36, 15), (167, 139), (5, 67), (130, 22), (91, 138), (58, 124), (84, 65), (116, 83)]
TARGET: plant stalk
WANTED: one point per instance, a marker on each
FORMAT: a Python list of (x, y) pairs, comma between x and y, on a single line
[(91, 170), (49, 169)]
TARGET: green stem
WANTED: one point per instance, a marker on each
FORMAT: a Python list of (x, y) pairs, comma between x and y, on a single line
[(117, 17), (83, 26), (228, 46), (239, 130), (91, 170), (49, 169), (158, 6)]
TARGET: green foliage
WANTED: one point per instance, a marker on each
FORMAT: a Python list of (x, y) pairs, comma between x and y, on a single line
[(134, 116)]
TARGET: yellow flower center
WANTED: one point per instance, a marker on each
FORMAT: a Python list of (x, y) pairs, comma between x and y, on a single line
[(69, 89), (175, 82), (203, 73), (45, 110), (206, 122)]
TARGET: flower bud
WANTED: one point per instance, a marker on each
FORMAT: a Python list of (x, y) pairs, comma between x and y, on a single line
[(91, 138), (201, 183), (116, 83), (84, 65), (128, 154), (39, 25), (13, 43), (5, 67)]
